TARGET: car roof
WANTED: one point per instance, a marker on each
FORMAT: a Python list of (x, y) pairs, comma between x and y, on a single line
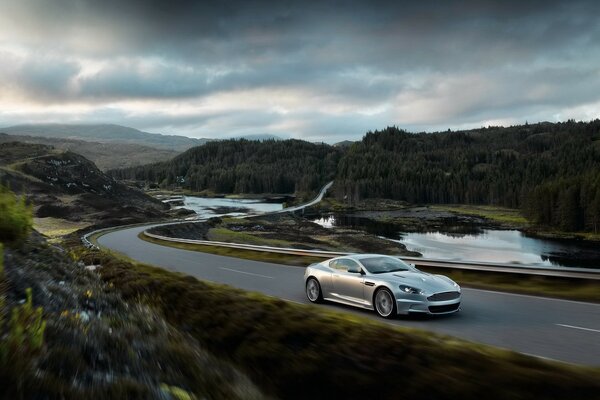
[(362, 256)]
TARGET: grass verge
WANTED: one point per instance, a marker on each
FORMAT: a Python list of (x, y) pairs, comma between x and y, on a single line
[(564, 288), (227, 235), (296, 352), (276, 258)]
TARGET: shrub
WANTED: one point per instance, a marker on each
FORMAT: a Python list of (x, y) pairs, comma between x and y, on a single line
[(26, 332), (298, 352), (16, 218)]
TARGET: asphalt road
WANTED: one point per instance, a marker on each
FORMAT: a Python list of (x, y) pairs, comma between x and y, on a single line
[(557, 329)]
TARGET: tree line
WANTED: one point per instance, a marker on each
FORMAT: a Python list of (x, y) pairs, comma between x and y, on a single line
[(551, 171), (244, 166)]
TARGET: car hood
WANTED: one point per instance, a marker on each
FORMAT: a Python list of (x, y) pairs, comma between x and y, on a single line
[(421, 280)]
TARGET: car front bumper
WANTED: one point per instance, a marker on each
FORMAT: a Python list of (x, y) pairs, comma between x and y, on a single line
[(424, 306)]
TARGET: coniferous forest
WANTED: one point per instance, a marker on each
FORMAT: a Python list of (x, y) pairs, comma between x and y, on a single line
[(244, 166), (551, 171)]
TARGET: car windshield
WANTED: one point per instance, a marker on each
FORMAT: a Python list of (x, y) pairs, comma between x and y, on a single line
[(380, 265)]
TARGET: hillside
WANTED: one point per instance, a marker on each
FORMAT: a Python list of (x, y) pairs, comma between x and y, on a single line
[(243, 166), (105, 155), (105, 133), (550, 171), (66, 185)]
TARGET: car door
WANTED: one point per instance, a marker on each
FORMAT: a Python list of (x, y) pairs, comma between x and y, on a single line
[(348, 286)]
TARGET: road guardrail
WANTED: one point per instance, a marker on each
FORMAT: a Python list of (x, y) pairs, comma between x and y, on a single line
[(579, 273)]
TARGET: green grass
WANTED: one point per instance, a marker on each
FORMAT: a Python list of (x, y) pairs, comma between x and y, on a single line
[(493, 213), (226, 235), (565, 288), (296, 352), (15, 217), (21, 337)]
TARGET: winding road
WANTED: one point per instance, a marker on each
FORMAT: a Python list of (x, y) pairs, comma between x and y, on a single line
[(557, 329)]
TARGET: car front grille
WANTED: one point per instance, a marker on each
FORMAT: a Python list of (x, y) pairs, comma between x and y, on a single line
[(443, 309), (444, 296)]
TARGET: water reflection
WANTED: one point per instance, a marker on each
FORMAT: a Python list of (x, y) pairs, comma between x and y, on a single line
[(206, 207), (467, 242)]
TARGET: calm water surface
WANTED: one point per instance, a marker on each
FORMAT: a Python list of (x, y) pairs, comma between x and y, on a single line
[(206, 207), (485, 245)]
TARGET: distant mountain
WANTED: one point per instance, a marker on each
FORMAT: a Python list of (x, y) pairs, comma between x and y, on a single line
[(259, 137), (105, 155), (106, 133), (344, 143)]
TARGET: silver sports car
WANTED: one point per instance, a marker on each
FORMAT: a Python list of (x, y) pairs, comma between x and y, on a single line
[(383, 283)]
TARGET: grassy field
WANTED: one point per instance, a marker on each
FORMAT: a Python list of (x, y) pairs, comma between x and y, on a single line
[(296, 352), (497, 214), (573, 289)]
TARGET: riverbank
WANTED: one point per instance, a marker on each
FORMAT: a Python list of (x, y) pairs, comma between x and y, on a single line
[(422, 218)]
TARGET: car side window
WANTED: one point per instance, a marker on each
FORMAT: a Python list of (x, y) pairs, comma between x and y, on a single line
[(347, 264), (338, 265)]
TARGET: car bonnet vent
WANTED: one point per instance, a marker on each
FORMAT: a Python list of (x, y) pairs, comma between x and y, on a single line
[(399, 276)]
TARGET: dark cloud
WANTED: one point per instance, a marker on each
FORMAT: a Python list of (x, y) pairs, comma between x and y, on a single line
[(351, 65)]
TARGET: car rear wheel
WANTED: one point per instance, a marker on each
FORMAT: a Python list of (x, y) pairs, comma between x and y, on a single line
[(385, 304), (313, 290)]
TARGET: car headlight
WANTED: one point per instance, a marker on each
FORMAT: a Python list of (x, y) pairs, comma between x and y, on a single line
[(410, 290)]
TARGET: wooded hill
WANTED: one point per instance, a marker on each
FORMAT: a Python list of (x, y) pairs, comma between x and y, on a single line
[(244, 166), (550, 171)]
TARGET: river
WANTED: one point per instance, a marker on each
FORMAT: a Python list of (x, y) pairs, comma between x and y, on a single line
[(467, 243), (480, 245), (206, 207)]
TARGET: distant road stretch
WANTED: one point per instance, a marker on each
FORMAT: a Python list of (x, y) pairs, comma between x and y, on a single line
[(557, 329)]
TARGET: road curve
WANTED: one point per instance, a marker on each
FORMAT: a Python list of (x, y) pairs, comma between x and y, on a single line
[(558, 329)]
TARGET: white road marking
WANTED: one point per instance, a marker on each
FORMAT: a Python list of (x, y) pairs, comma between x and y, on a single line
[(247, 273), (579, 327)]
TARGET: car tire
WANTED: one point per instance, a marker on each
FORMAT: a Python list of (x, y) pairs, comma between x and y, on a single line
[(313, 290), (384, 303)]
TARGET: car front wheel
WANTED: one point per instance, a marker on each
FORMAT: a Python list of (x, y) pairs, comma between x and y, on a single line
[(385, 304), (313, 290)]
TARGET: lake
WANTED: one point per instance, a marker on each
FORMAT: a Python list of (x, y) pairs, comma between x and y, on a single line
[(207, 207), (480, 245)]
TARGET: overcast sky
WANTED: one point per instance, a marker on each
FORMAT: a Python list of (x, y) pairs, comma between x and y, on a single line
[(313, 70)]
